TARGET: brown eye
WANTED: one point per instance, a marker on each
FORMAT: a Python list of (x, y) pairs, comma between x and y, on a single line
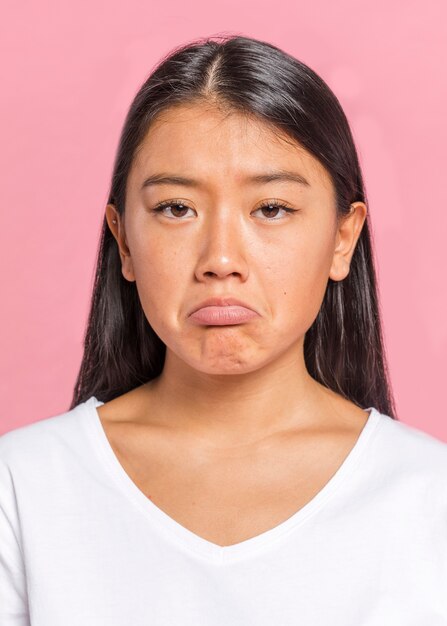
[(178, 208), (272, 210), (274, 207)]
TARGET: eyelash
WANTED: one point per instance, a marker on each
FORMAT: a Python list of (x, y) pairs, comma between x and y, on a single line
[(273, 204)]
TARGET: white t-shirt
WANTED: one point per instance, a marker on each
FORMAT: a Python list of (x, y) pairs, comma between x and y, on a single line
[(81, 545)]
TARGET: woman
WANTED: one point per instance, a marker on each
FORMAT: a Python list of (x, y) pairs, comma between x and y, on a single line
[(231, 454)]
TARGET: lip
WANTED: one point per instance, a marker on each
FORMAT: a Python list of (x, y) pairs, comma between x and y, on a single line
[(222, 301), (222, 312)]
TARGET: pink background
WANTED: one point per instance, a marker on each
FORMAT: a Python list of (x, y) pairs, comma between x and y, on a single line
[(70, 71)]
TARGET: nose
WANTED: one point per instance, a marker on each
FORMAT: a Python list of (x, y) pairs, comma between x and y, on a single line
[(223, 247)]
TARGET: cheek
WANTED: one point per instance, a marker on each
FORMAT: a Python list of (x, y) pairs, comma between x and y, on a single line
[(296, 283), (160, 272)]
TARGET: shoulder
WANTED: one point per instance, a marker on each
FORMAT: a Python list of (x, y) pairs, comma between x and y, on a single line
[(41, 440), (411, 452), (413, 439)]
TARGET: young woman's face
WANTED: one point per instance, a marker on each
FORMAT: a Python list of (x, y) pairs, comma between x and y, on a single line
[(225, 241)]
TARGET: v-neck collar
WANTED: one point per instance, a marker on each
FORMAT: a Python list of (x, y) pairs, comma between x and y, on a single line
[(189, 539)]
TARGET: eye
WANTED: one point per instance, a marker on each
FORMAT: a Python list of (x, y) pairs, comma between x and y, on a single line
[(274, 205), (180, 206)]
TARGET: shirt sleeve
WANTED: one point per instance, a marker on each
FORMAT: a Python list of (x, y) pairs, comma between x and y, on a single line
[(13, 591)]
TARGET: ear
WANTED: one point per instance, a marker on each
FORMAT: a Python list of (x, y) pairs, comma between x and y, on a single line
[(116, 225), (348, 232)]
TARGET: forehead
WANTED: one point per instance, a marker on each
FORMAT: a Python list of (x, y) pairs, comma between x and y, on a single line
[(208, 142)]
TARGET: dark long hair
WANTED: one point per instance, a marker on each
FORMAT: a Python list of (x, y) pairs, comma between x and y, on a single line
[(344, 347)]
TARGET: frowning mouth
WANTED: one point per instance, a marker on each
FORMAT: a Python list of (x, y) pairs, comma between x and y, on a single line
[(222, 315)]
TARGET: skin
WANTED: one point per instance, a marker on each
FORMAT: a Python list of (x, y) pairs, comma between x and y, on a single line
[(238, 396)]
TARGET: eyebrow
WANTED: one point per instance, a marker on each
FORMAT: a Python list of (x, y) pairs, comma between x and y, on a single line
[(266, 177)]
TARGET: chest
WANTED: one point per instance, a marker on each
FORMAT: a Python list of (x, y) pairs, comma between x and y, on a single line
[(229, 497)]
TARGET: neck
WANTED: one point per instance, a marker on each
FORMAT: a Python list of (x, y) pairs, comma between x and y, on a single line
[(239, 407)]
